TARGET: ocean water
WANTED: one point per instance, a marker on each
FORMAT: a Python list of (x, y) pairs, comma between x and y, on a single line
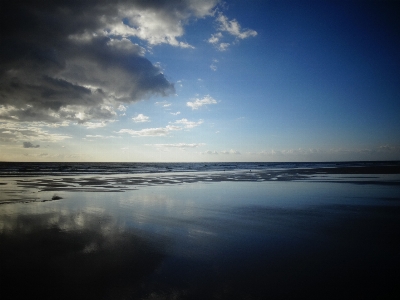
[(201, 235), (59, 168)]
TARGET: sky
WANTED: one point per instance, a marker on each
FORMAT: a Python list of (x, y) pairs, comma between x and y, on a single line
[(199, 81)]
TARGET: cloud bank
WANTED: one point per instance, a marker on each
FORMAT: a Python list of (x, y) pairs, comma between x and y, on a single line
[(76, 60)]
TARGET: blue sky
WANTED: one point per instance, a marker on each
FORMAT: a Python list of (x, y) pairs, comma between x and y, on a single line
[(200, 81)]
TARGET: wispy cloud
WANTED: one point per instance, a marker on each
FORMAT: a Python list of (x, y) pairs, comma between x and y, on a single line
[(197, 103), (226, 152), (122, 109), (213, 66), (223, 46), (160, 131), (210, 152), (178, 145), (93, 125), (163, 131), (163, 103), (233, 27), (188, 124), (230, 152), (18, 132)]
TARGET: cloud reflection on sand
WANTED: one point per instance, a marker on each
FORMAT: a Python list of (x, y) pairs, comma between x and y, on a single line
[(73, 256), (223, 240)]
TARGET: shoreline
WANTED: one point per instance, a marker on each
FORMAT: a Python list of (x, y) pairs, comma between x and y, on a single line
[(16, 189)]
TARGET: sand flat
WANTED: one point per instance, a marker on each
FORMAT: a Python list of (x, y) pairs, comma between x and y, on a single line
[(168, 236)]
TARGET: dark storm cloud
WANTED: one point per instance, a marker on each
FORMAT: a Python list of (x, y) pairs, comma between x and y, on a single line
[(59, 61), (30, 145)]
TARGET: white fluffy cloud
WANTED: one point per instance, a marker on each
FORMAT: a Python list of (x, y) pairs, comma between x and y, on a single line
[(141, 118), (197, 103), (159, 22), (122, 108), (214, 39)]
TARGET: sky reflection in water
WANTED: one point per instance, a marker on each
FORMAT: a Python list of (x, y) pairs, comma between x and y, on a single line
[(205, 240)]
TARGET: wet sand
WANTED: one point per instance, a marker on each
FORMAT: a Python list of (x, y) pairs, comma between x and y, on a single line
[(29, 188), (287, 234)]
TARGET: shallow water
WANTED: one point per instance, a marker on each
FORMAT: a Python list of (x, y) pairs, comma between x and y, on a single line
[(218, 240)]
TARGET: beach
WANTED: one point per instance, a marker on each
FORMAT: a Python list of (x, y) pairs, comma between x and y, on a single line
[(223, 232)]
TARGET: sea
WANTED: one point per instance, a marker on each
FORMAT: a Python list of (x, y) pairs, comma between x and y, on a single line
[(79, 168)]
